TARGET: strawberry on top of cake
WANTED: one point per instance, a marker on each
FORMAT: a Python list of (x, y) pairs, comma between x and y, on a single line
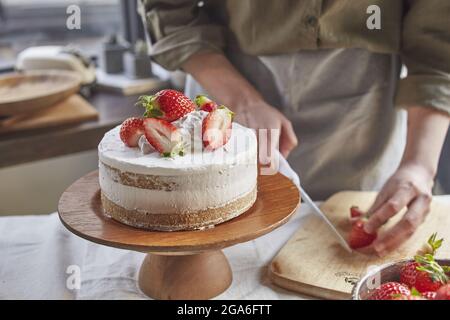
[(162, 127)]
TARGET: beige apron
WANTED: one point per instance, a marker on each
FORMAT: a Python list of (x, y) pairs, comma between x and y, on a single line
[(340, 102)]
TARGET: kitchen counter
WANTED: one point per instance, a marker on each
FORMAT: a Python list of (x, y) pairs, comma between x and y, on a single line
[(39, 144)]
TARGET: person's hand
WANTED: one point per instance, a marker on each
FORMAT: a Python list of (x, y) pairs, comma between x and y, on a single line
[(260, 115), (410, 186), (226, 85)]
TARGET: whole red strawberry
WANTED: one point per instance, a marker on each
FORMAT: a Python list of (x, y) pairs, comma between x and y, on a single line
[(429, 280), (443, 293), (424, 273), (390, 291), (358, 237), (167, 104), (131, 130), (408, 273)]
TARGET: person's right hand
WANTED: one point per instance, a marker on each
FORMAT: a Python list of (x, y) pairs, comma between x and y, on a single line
[(223, 82), (260, 115)]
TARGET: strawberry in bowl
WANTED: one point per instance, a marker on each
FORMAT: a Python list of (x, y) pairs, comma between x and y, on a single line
[(422, 278)]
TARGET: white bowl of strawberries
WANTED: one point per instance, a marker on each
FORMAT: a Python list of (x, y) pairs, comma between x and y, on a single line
[(421, 278)]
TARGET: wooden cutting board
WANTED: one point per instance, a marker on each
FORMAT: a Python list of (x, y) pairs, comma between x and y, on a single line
[(74, 109), (313, 263)]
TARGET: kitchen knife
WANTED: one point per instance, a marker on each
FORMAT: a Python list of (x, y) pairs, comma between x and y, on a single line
[(316, 209)]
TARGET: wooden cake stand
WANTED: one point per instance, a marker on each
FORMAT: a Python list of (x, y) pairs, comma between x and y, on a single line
[(181, 264)]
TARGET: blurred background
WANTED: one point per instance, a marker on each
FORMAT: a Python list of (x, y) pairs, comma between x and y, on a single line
[(28, 23), (39, 159), (44, 151)]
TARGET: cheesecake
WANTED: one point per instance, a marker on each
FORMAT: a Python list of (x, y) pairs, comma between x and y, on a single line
[(187, 186)]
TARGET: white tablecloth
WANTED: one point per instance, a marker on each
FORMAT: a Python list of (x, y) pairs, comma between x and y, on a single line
[(37, 252)]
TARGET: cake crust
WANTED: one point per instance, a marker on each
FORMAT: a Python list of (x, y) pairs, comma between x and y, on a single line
[(175, 222)]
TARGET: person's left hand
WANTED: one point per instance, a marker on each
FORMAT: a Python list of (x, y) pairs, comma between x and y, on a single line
[(410, 186)]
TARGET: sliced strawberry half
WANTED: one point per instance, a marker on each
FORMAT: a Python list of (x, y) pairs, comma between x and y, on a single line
[(355, 214), (163, 136), (204, 103), (131, 130), (216, 128), (358, 237)]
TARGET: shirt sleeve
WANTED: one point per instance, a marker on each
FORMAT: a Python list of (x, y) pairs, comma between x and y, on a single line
[(426, 53), (177, 29)]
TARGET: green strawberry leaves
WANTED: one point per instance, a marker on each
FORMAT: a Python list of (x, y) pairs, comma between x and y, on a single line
[(428, 264), (151, 108), (434, 244)]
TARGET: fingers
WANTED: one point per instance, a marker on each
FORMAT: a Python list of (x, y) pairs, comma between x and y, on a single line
[(399, 233), (288, 138), (401, 198), (268, 142), (242, 119), (382, 196)]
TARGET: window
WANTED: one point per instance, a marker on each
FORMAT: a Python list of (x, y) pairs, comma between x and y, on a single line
[(25, 23)]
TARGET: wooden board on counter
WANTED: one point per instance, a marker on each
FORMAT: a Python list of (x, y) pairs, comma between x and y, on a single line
[(72, 110), (313, 263)]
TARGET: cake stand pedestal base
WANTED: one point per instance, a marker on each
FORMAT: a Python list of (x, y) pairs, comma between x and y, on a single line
[(189, 276), (179, 264)]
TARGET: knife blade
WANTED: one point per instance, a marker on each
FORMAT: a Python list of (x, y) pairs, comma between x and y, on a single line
[(317, 210)]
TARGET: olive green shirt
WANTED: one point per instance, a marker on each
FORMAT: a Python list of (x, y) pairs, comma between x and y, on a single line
[(418, 30)]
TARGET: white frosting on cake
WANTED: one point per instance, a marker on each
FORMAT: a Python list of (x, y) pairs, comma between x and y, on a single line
[(241, 148), (203, 179), (145, 147)]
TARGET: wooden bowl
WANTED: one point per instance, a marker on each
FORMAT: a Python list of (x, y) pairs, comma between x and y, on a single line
[(34, 90)]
